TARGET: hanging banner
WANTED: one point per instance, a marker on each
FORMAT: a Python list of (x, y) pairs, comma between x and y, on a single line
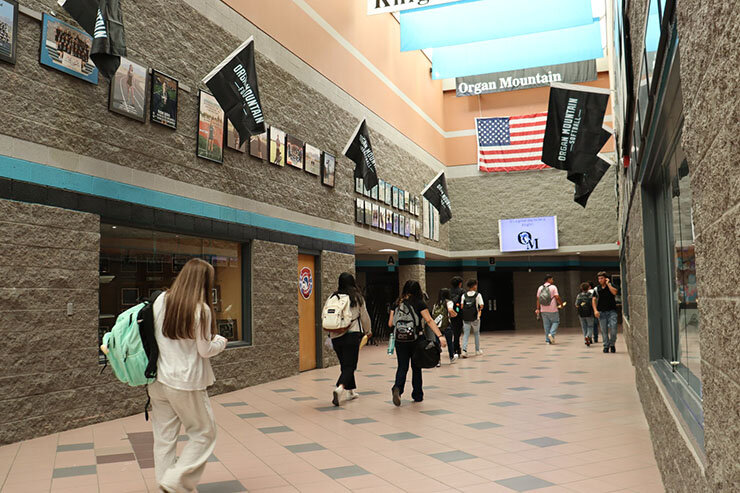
[(527, 78), (234, 85), (360, 151), (388, 6), (574, 132), (103, 20), (589, 179), (436, 194)]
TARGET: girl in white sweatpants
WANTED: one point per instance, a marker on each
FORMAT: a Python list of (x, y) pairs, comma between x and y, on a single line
[(186, 335)]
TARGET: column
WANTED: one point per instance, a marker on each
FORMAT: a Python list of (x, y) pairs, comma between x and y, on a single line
[(412, 265)]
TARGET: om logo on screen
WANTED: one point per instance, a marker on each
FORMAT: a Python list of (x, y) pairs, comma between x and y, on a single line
[(305, 283)]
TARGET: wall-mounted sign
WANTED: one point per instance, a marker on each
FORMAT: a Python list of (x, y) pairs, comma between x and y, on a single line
[(528, 234), (305, 283), (387, 6), (527, 78)]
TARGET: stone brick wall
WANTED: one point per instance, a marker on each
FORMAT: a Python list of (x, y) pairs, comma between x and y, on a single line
[(48, 360), (274, 350), (483, 200), (708, 41), (73, 115), (413, 273), (332, 264)]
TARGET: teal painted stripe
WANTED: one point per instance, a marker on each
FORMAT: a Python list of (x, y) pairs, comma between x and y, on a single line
[(19, 169), (504, 263), (412, 254)]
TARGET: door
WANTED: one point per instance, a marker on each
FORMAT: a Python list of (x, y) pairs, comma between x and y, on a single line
[(381, 291), (497, 289), (306, 312)]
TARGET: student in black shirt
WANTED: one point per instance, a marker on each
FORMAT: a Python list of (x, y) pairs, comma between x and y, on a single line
[(605, 309), (413, 298), (456, 321)]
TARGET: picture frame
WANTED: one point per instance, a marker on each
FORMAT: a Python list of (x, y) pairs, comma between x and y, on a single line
[(277, 146), (389, 220), (359, 185), (211, 123), (8, 30), (401, 224), (258, 145), (381, 217), (129, 296), (366, 192), (395, 197), (375, 211), (418, 230), (407, 231), (129, 88), (129, 264), (294, 151), (232, 138), (227, 328), (412, 230), (163, 97), (67, 49), (395, 223), (368, 212), (360, 211), (406, 201), (328, 168), (312, 160), (381, 190), (401, 199), (374, 192)]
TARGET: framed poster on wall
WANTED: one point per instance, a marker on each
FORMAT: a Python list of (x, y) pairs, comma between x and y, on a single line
[(277, 146), (129, 89), (211, 123), (328, 168), (163, 99), (294, 152), (8, 30), (67, 49)]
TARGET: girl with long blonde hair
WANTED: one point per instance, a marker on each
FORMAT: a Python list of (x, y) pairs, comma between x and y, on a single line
[(185, 330)]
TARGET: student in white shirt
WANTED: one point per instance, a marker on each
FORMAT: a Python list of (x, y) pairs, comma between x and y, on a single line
[(471, 306), (185, 330)]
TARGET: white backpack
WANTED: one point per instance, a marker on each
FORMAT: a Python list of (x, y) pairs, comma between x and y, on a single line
[(337, 314)]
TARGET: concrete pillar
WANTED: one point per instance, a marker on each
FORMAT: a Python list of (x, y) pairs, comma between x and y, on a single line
[(412, 265), (469, 271)]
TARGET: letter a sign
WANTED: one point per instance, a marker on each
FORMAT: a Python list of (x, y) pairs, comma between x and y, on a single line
[(391, 261)]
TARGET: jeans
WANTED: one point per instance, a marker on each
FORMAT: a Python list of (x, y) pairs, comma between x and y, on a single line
[(608, 322), (347, 348), (404, 350), (475, 325), (587, 326), (550, 321), (449, 337)]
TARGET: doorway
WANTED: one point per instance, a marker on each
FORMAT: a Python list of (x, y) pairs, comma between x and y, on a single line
[(307, 312), (381, 291), (497, 289)]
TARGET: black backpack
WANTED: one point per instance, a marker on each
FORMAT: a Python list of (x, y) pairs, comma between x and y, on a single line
[(469, 308), (584, 306), (426, 352)]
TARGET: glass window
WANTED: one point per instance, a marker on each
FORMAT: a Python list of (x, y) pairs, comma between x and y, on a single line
[(643, 90), (136, 262), (652, 36)]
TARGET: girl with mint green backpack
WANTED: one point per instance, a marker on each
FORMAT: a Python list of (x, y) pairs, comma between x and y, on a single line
[(185, 331)]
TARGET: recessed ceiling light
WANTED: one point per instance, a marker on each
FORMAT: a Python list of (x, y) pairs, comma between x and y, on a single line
[(388, 250), (114, 227)]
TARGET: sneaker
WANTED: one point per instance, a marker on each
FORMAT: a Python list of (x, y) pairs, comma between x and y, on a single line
[(465, 353), (588, 341), (439, 364), (454, 358), (596, 339), (551, 338), (396, 396), (479, 352), (336, 395), (606, 349), (353, 394), (613, 349)]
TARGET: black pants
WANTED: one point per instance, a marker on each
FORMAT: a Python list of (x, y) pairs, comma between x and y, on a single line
[(457, 330), (347, 348), (404, 350), (450, 337)]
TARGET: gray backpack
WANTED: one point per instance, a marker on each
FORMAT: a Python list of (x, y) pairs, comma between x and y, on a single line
[(545, 296), (406, 324)]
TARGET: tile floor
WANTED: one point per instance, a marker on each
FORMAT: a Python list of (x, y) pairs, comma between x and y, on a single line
[(493, 428)]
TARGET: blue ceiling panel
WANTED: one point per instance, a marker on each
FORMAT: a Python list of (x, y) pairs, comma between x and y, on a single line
[(531, 50), (482, 20)]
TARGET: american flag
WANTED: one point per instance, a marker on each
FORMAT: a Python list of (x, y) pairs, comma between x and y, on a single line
[(511, 143)]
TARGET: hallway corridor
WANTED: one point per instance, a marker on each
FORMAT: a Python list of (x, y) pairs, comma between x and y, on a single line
[(524, 416)]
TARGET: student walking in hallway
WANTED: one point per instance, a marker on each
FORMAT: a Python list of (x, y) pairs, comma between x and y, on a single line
[(471, 307), (548, 303), (185, 331), (406, 319), (346, 338), (605, 309)]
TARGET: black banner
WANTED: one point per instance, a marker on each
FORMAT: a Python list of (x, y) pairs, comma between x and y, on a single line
[(234, 85), (588, 180), (103, 20), (574, 127), (527, 78), (436, 194), (360, 151)]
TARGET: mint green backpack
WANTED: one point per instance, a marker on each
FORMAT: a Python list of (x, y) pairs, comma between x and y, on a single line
[(132, 347)]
